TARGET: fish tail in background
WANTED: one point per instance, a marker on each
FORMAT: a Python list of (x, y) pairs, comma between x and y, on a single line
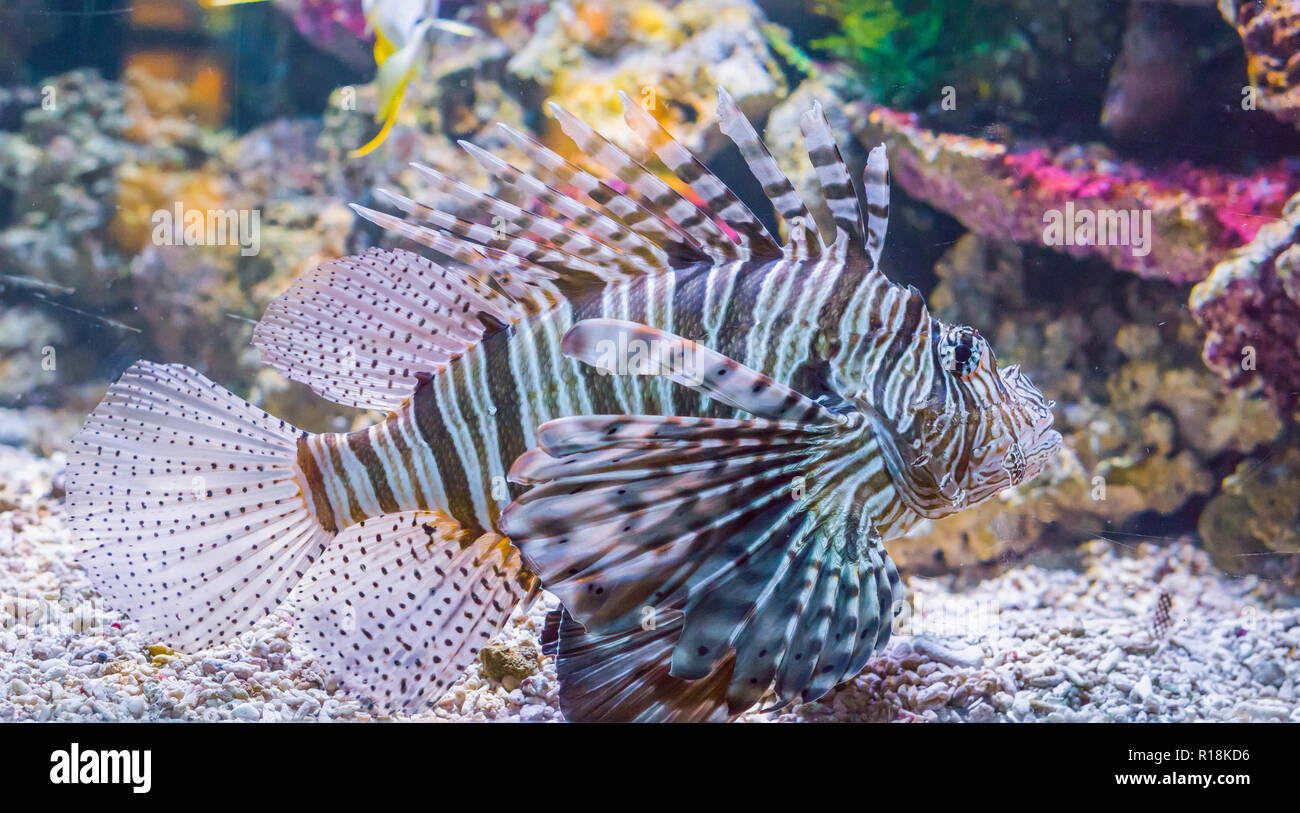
[(196, 516)]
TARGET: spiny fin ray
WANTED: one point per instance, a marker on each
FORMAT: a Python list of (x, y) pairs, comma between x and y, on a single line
[(800, 224), (833, 175), (720, 203)]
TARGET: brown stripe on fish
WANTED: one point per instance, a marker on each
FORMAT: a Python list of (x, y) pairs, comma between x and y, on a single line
[(338, 484), (376, 472), (464, 421), (904, 340), (344, 476), (426, 480), (430, 422), (385, 438), (506, 394), (320, 501), (797, 338), (881, 310)]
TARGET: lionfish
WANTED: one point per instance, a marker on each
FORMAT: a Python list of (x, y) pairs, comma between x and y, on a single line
[(696, 436)]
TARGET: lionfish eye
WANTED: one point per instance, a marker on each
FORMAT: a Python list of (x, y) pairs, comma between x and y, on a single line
[(960, 351)]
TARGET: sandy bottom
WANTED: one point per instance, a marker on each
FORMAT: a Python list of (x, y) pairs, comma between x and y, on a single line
[(1075, 644)]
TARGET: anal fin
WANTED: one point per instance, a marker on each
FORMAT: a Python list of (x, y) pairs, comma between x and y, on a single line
[(400, 605)]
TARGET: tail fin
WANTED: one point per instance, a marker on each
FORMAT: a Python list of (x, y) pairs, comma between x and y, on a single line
[(190, 503)]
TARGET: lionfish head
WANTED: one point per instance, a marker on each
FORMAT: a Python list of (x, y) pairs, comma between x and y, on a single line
[(980, 428)]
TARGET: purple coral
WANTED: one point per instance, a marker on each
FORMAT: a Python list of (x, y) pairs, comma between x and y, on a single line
[(1250, 309), (318, 19)]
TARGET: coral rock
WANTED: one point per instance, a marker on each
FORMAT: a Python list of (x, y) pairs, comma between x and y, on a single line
[(501, 661), (1250, 309), (1270, 30), (1197, 215), (671, 58), (1253, 524)]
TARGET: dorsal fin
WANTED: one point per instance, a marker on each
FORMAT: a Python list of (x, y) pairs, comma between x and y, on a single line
[(875, 182), (833, 175), (570, 211), (518, 276), (720, 203), (680, 245), (662, 197), (547, 256), (648, 228), (368, 348), (511, 219), (800, 224)]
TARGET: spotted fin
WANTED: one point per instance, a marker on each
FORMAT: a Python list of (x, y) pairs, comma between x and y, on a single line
[(749, 529), (399, 606), (362, 330), (191, 506)]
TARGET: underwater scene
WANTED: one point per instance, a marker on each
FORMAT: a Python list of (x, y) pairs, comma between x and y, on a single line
[(650, 360)]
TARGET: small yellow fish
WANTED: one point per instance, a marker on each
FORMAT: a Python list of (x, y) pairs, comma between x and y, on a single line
[(401, 29), (401, 36)]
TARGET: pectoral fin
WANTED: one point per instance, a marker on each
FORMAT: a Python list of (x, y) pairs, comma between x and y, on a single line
[(743, 538)]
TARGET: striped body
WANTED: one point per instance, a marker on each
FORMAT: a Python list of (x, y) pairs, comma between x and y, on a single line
[(809, 409), (450, 446)]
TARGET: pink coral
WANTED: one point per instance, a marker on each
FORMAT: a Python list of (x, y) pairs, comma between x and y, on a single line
[(316, 19), (1197, 214)]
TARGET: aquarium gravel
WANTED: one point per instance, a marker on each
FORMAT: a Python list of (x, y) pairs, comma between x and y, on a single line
[(1090, 643)]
